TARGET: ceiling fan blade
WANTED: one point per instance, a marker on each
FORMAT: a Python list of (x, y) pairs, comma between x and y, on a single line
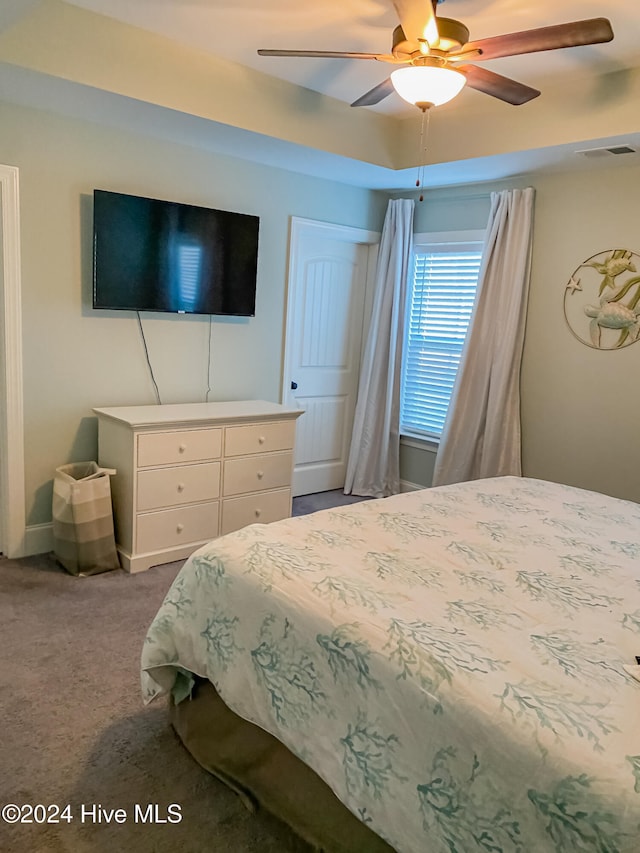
[(329, 54), (418, 20), (375, 95), (500, 87), (592, 31)]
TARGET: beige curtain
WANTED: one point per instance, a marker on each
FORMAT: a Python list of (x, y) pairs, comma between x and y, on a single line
[(481, 436), (373, 468)]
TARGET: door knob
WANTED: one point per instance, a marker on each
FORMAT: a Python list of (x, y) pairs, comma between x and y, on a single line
[(294, 385)]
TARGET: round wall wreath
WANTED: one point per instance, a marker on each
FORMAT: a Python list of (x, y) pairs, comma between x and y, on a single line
[(602, 300)]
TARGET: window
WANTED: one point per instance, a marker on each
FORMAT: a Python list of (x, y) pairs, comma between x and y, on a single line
[(439, 304)]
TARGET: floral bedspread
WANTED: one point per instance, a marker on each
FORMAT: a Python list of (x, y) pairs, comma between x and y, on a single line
[(451, 661)]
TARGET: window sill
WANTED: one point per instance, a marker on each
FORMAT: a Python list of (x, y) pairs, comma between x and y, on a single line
[(419, 442)]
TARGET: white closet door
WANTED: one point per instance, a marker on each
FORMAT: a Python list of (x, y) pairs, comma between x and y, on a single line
[(329, 270)]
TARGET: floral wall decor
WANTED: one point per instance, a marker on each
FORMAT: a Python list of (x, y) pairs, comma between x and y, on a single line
[(602, 300)]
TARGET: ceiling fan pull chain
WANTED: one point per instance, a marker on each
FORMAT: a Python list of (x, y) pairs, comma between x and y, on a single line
[(420, 150), (422, 154)]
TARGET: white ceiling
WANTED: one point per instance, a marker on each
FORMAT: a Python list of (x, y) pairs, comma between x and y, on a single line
[(235, 30)]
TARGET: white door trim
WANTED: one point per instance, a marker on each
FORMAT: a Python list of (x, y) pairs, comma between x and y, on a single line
[(12, 494), (348, 234)]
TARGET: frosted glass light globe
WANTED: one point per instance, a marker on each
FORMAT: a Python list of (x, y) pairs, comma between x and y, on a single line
[(427, 84)]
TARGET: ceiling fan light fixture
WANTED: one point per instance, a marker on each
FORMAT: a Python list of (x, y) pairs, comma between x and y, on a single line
[(427, 84)]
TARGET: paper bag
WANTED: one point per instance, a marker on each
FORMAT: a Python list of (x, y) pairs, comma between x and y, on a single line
[(83, 534)]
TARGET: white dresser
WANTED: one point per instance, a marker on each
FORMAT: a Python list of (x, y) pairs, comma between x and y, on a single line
[(187, 473)]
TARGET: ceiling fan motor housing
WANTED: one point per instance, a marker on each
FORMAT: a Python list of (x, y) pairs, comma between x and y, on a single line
[(453, 36)]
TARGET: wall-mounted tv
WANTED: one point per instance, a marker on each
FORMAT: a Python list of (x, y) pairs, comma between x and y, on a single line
[(153, 255)]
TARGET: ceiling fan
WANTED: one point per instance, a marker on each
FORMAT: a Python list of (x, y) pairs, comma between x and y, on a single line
[(426, 41)]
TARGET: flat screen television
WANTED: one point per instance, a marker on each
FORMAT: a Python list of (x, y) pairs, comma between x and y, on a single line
[(153, 255)]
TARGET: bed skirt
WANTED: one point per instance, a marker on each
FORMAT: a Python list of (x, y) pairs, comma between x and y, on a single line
[(265, 773)]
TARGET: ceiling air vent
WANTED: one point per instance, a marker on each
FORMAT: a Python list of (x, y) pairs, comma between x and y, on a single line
[(607, 151), (622, 149)]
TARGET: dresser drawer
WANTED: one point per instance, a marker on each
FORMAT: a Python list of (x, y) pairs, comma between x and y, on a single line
[(173, 527), (256, 473), (169, 448), (259, 438), (183, 484), (261, 508)]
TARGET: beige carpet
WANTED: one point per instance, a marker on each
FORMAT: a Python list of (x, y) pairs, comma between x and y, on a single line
[(74, 730)]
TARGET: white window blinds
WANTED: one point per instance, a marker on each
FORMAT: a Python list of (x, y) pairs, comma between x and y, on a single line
[(440, 302)]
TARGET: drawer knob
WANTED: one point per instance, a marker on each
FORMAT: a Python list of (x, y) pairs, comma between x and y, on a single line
[(179, 528), (182, 448), (261, 439), (181, 487), (258, 513), (260, 475)]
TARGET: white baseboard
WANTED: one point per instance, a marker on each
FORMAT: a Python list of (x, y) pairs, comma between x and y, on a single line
[(38, 539), (407, 486)]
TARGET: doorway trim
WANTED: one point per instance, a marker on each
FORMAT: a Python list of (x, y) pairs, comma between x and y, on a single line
[(12, 486)]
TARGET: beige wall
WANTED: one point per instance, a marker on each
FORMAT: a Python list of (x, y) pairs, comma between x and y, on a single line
[(580, 406), (76, 358)]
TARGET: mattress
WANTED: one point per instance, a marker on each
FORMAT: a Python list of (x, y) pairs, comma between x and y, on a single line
[(455, 663), (265, 774)]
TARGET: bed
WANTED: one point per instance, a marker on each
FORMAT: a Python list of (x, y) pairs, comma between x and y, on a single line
[(454, 666)]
